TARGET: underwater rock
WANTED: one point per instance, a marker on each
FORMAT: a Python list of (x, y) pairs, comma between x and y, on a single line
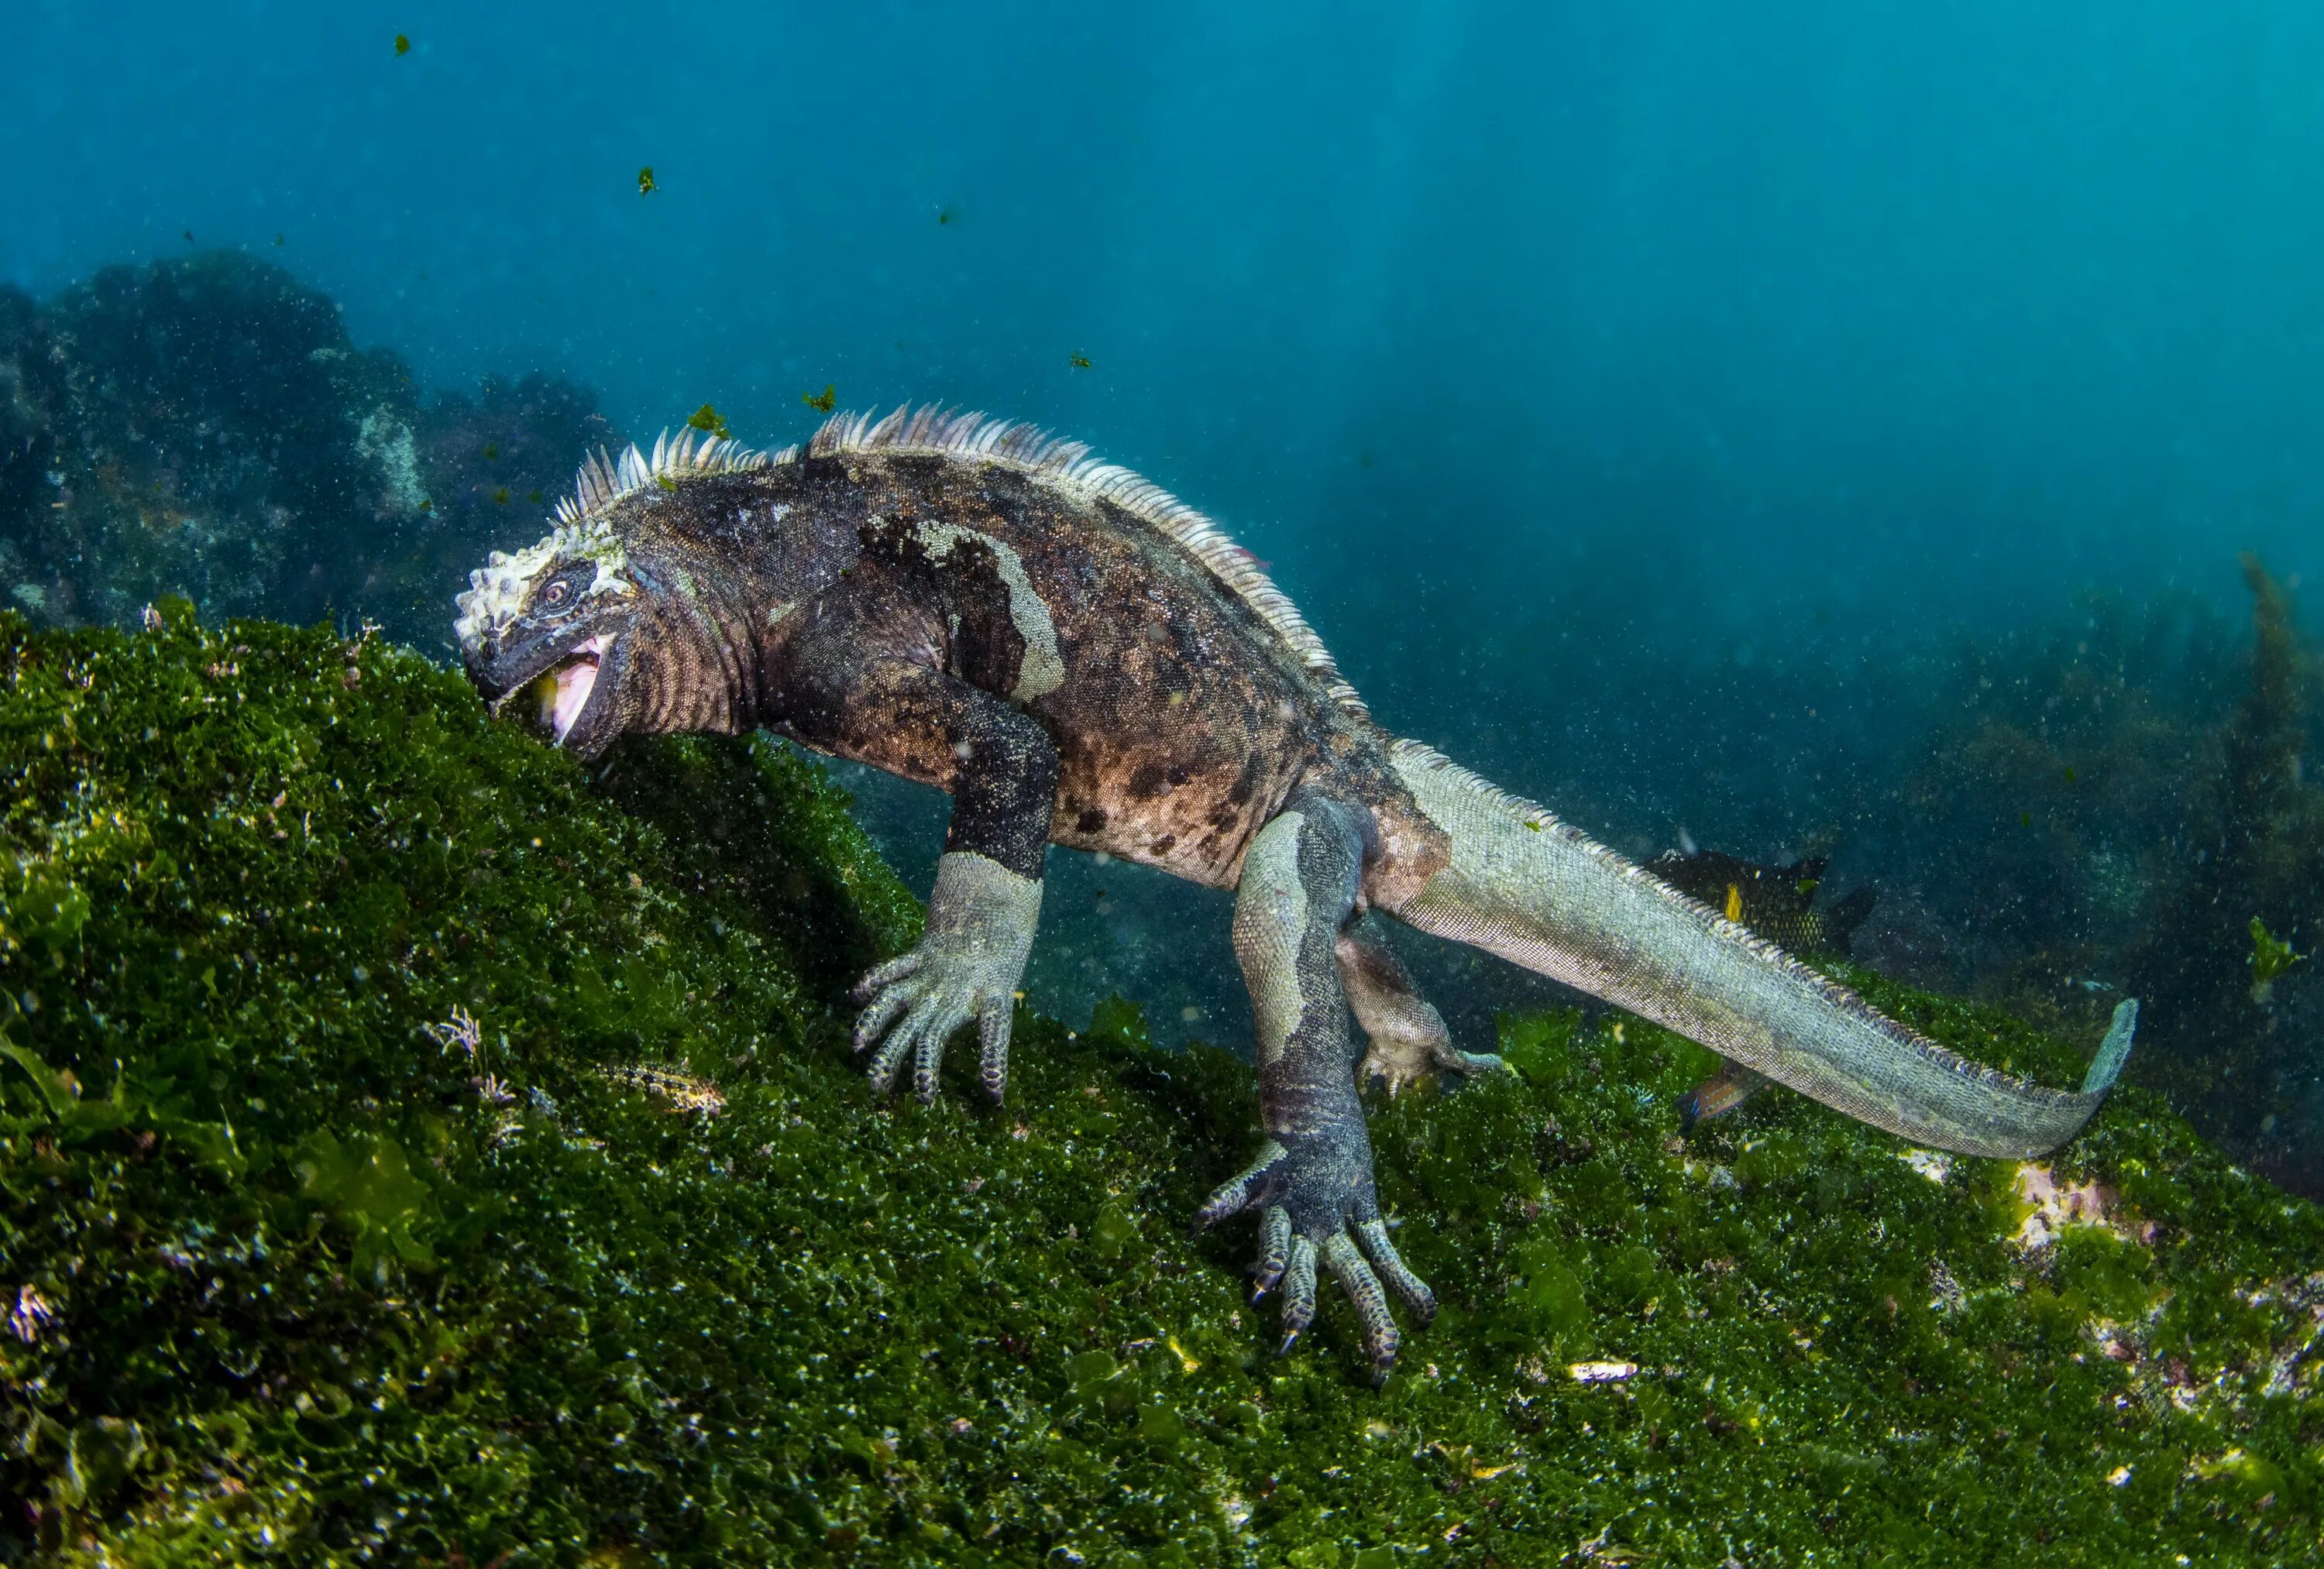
[(204, 425), (413, 1149), (2106, 813)]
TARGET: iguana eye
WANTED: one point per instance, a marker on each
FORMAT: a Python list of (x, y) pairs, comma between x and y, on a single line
[(563, 592)]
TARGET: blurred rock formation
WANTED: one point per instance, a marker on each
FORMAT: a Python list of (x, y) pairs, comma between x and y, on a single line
[(204, 425)]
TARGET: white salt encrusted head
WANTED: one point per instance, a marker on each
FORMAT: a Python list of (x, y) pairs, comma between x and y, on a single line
[(498, 590)]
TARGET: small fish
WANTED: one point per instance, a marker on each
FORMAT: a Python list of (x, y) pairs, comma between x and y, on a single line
[(403, 44), (646, 181), (1719, 1094), (824, 401), (1081, 362), (1778, 903), (707, 419)]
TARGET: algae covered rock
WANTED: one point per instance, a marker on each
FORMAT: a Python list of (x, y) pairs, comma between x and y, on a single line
[(414, 1150)]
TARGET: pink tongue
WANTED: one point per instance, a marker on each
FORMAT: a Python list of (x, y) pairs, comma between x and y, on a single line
[(574, 682)]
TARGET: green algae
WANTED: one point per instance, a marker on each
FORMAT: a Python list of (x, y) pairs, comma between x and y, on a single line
[(354, 1229)]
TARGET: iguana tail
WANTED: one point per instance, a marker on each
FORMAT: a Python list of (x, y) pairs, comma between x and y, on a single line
[(1540, 894)]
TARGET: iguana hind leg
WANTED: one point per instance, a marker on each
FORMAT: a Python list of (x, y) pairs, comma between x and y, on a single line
[(1409, 1042), (1311, 1183)]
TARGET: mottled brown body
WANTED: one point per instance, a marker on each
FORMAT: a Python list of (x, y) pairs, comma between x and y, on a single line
[(1181, 724)]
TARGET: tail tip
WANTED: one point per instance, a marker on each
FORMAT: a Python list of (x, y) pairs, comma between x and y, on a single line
[(2115, 1050)]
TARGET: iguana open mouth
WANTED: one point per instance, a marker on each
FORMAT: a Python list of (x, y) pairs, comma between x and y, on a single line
[(552, 701)]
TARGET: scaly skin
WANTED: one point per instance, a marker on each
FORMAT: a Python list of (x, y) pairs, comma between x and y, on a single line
[(1079, 659)]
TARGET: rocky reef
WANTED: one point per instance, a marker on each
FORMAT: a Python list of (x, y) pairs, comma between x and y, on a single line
[(2121, 806), (204, 427), (413, 1150)]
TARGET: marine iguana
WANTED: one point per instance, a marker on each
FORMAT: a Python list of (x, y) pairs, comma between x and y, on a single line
[(1080, 659)]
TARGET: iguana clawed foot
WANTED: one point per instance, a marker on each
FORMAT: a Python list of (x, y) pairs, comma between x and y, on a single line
[(967, 966), (1408, 1040), (1308, 1202)]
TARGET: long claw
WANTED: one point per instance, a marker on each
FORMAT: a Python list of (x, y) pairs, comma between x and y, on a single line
[(889, 1056), (1299, 1291), (886, 975), (1251, 1186), (935, 1021), (1274, 1251), (1409, 1286), (1363, 1289), (874, 1022), (992, 1037)]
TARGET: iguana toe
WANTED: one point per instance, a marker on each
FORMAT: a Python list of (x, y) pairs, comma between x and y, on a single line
[(1303, 1223), (965, 967)]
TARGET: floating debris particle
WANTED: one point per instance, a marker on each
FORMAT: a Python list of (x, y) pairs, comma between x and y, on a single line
[(944, 216), (646, 181), (2271, 957), (707, 419), (1081, 362), (403, 44), (824, 401)]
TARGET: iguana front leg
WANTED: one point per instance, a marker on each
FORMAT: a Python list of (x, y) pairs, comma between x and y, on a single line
[(1409, 1042), (1311, 1183), (1000, 769)]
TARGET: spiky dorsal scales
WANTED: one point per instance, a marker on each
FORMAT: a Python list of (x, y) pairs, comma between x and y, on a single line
[(605, 479), (1068, 465)]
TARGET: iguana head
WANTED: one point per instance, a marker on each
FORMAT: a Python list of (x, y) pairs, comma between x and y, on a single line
[(572, 634)]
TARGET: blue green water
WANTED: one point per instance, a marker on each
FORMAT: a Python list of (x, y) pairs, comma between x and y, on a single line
[(1687, 303)]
